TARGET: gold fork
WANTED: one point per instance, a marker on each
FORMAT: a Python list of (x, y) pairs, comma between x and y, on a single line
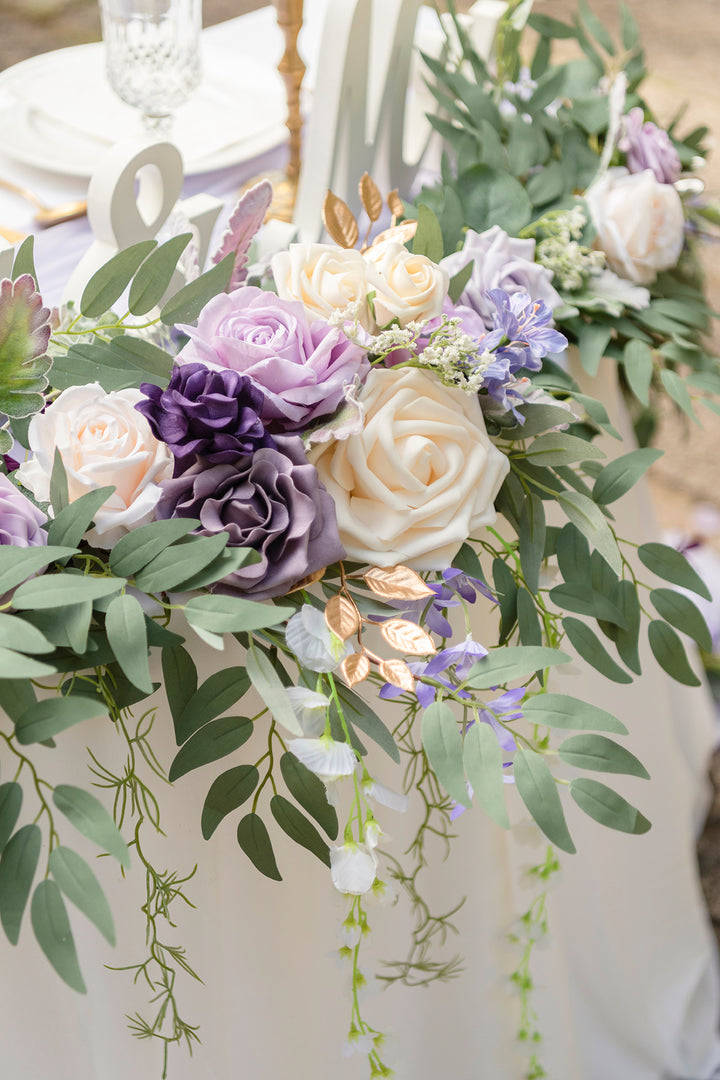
[(47, 215), (11, 235)]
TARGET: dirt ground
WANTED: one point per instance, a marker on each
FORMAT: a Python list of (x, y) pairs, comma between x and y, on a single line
[(683, 47)]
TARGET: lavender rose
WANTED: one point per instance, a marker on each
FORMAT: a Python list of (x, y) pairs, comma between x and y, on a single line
[(20, 520), (271, 501), (648, 147), (300, 366), (500, 262), (214, 415)]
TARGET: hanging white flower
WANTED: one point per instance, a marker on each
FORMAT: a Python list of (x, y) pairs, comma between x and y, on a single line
[(394, 800), (374, 834), (325, 757), (313, 642), (310, 708), (352, 868), (357, 1044)]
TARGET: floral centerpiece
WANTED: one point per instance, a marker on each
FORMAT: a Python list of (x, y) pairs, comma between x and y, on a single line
[(319, 480)]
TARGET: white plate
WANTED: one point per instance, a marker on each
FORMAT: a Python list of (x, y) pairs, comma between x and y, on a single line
[(57, 111)]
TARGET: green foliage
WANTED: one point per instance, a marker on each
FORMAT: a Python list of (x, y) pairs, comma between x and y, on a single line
[(228, 791), (24, 331), (254, 840)]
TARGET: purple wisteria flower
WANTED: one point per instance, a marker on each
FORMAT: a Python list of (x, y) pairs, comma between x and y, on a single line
[(461, 657), (271, 501), (454, 587), (302, 367), (20, 520), (647, 146), (500, 262), (204, 413)]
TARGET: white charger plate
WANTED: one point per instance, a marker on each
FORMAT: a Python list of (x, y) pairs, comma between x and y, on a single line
[(58, 112)]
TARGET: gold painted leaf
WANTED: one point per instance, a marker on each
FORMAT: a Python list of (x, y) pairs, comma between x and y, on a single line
[(407, 637), (398, 673), (403, 233), (339, 221), (342, 617), (306, 581), (395, 203), (397, 583), (355, 668), (370, 196)]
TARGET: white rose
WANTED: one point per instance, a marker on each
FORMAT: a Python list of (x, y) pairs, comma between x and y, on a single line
[(413, 287), (639, 222), (421, 476), (326, 279), (102, 440)]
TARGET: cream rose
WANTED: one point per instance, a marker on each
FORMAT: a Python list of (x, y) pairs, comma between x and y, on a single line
[(421, 476), (102, 440), (326, 279), (413, 287), (640, 223)]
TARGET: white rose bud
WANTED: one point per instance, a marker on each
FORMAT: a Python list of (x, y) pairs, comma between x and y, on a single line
[(413, 287), (326, 279), (419, 479), (103, 440), (640, 223)]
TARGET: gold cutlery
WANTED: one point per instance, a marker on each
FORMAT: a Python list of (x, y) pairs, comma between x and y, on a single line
[(11, 235), (47, 215)]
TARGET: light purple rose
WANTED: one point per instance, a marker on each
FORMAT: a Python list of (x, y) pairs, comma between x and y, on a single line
[(500, 262), (20, 520), (647, 146), (271, 501), (301, 366)]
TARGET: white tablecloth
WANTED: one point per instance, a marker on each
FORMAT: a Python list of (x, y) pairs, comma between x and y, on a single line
[(627, 988)]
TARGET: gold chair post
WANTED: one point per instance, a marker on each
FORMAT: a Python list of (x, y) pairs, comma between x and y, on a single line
[(292, 69)]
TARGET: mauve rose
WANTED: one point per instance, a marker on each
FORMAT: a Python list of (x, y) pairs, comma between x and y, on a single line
[(647, 146), (301, 366), (20, 520), (271, 501), (214, 415), (500, 262)]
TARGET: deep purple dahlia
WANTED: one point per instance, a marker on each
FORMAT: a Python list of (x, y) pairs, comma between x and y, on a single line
[(301, 366), (271, 501), (207, 414)]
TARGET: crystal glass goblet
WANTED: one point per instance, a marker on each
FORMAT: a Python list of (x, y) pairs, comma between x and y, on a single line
[(152, 55)]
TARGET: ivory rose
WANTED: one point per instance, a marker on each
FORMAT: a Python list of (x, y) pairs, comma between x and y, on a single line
[(413, 287), (639, 222), (421, 476), (103, 440), (326, 279)]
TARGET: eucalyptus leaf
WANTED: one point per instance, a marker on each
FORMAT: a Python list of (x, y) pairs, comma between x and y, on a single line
[(443, 745), (627, 637), (231, 614), (428, 239), (683, 614), (109, 282), (677, 390), (228, 791), (532, 540), (512, 662), (216, 695), (669, 651), (175, 564), (269, 686), (227, 562), (590, 751), (538, 790), (52, 715), (179, 678), (70, 524), (559, 448), (18, 864), (358, 714), (14, 665), (213, 741), (90, 818), (589, 519), (607, 807), (54, 936), (570, 713), (638, 364), (59, 590), (482, 758), (24, 261), (79, 884), (506, 592), (573, 555), (587, 644), (127, 636), (59, 498), (622, 473), (310, 792), (139, 547), (254, 840), (584, 600), (188, 302), (529, 627), (11, 797), (154, 276), (22, 636), (670, 565), (298, 828)]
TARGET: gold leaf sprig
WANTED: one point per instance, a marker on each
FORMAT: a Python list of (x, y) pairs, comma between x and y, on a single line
[(344, 618), (339, 221), (342, 227)]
